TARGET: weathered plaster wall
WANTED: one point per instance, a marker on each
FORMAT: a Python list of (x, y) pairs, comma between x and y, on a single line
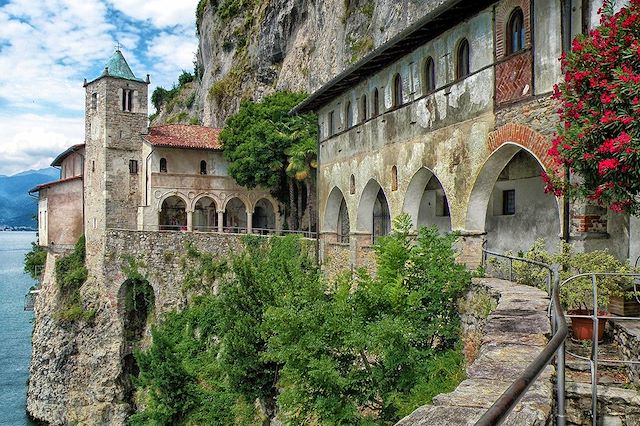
[(547, 44), (72, 165), (187, 161), (62, 204)]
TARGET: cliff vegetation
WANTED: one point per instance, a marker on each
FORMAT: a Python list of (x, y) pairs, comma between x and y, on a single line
[(277, 340)]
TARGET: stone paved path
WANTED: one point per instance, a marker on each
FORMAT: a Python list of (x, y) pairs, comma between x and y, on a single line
[(515, 332)]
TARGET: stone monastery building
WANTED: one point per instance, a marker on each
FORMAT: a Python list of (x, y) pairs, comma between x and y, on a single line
[(129, 176), (450, 121)]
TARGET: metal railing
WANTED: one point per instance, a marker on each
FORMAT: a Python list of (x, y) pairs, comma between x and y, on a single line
[(498, 412), (596, 317), (230, 230)]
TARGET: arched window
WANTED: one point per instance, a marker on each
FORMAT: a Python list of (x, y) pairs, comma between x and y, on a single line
[(376, 103), (349, 115), (397, 91), (515, 32), (429, 75), (163, 165), (394, 178), (462, 59), (364, 108), (203, 167)]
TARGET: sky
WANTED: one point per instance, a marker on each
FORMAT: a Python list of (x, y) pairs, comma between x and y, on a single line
[(48, 48)]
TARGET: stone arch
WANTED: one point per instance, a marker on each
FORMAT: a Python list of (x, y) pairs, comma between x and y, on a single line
[(136, 300), (332, 210), (235, 215), (264, 216), (242, 198), (172, 214), (426, 201), (205, 213), (373, 199), (533, 214)]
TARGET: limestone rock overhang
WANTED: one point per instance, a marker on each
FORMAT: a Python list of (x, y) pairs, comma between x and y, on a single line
[(184, 136), (57, 162), (53, 183), (446, 15)]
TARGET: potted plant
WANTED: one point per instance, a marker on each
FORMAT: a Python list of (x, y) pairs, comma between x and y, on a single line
[(577, 294)]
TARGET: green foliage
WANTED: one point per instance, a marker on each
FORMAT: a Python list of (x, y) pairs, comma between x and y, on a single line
[(361, 47), (229, 9), (162, 96), (576, 294), (367, 351), (194, 121), (480, 304), (71, 273), (184, 78), (35, 260), (257, 138)]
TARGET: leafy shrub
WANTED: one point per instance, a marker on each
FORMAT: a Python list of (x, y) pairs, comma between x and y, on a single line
[(363, 351), (35, 260), (71, 274)]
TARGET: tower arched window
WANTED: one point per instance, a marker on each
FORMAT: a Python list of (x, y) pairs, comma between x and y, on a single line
[(203, 167), (163, 165), (515, 31), (397, 91), (429, 75), (462, 59), (127, 100), (376, 103), (349, 115), (364, 108)]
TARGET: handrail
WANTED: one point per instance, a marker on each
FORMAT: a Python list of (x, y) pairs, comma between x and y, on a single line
[(498, 412), (594, 360)]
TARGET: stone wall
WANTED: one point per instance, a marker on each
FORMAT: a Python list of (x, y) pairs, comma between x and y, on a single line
[(627, 335), (514, 333)]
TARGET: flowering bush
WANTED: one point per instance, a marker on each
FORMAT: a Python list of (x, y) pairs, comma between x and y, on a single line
[(599, 135)]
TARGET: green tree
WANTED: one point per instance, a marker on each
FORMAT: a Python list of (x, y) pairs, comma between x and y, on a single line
[(35, 260), (262, 140)]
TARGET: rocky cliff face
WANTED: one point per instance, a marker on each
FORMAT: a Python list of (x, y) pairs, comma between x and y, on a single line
[(251, 48)]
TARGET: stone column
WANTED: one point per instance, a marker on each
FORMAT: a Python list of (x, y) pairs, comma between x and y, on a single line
[(278, 224), (220, 221), (469, 248), (249, 222), (189, 220)]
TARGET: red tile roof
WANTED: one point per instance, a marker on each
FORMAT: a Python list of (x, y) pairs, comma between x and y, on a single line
[(184, 136)]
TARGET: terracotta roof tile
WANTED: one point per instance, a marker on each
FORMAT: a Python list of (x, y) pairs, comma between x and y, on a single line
[(184, 136)]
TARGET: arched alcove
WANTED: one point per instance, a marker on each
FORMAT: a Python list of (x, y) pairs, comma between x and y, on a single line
[(374, 217), (264, 218), (426, 201), (235, 216), (508, 202), (336, 216), (205, 216), (173, 216)]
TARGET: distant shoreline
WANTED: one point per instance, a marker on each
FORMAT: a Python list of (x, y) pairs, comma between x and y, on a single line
[(17, 229)]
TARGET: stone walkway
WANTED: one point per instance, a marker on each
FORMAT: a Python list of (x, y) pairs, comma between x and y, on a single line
[(515, 332)]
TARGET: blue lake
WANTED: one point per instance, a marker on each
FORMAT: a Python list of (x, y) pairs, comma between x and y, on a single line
[(15, 327)]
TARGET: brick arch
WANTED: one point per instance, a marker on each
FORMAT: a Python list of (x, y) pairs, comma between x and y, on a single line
[(524, 136)]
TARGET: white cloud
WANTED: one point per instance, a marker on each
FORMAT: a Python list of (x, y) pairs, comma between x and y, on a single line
[(170, 54), (161, 13), (29, 141), (48, 47)]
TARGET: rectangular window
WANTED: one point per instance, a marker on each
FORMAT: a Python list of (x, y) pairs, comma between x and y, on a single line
[(94, 101), (133, 167), (509, 202), (127, 100)]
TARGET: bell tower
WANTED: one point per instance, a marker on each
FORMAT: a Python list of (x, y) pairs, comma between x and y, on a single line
[(115, 120)]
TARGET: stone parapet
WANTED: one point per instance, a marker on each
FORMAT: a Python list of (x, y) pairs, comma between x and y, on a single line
[(514, 334)]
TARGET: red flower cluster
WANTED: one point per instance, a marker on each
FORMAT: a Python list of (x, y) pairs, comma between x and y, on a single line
[(599, 135)]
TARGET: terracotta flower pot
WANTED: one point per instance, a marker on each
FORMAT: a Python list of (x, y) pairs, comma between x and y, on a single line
[(582, 328)]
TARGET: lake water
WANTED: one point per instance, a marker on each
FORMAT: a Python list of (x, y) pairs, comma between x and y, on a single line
[(15, 327)]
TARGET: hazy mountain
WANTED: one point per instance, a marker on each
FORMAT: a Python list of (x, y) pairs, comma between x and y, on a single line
[(17, 207)]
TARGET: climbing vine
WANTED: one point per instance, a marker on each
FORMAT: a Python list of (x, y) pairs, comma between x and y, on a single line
[(71, 273)]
